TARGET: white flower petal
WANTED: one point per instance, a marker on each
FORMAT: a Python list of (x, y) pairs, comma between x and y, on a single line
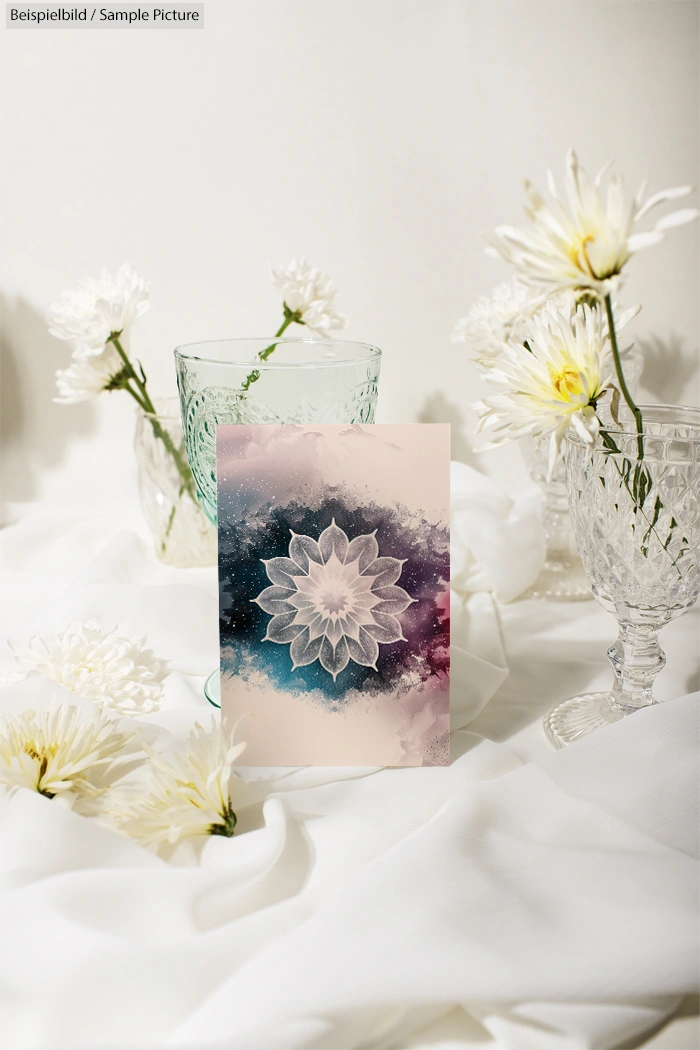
[(273, 600), (283, 571), (393, 599), (385, 628), (334, 658), (365, 651), (659, 198), (385, 571), (333, 540), (283, 628), (303, 550), (304, 649), (677, 218), (364, 550)]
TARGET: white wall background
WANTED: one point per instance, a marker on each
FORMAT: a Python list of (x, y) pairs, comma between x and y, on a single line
[(381, 139)]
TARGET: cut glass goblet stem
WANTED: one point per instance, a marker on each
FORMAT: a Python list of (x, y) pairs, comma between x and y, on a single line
[(636, 658)]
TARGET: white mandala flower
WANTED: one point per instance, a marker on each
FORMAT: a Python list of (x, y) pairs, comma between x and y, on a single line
[(87, 377), (553, 384), (104, 666), (55, 751), (89, 313), (584, 243), (310, 294), (185, 796), (334, 600)]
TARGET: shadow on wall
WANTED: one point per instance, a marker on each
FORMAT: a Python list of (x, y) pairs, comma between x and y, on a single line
[(667, 369), (437, 409), (34, 431)]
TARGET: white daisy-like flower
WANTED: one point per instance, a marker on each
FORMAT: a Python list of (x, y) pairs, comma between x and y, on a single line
[(61, 752), (497, 319), (583, 243), (86, 377), (553, 384), (187, 795), (109, 668), (97, 307), (308, 293), (334, 600)]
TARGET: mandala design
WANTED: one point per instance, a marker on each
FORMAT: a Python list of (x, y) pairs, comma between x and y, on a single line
[(334, 600)]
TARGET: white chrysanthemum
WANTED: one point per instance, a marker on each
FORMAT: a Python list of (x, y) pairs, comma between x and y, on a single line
[(104, 666), (97, 307), (309, 293), (552, 385), (60, 752), (584, 243), (185, 796), (497, 319), (334, 600), (87, 377)]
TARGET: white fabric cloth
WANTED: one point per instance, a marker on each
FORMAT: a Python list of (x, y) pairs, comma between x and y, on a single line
[(497, 540), (517, 898)]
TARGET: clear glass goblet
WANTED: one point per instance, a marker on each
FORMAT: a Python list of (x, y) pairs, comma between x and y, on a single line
[(637, 527), (562, 578), (271, 380)]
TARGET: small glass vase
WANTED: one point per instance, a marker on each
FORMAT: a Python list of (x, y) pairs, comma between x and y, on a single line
[(637, 526), (562, 578), (300, 380), (182, 534)]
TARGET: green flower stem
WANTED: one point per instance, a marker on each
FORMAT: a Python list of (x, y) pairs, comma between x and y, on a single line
[(624, 390), (290, 316), (140, 395), (229, 821)]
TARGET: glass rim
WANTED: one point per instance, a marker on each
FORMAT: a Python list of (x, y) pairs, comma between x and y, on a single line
[(173, 415), (680, 414), (373, 352)]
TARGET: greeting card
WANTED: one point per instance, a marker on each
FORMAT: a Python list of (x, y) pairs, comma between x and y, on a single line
[(334, 592)]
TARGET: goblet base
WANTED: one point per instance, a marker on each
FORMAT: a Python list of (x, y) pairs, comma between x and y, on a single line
[(212, 689), (561, 580), (580, 716)]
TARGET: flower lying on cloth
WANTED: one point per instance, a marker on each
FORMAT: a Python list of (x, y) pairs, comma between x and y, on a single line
[(104, 666), (334, 600), (552, 382), (58, 752), (584, 245), (187, 796), (98, 307), (308, 295)]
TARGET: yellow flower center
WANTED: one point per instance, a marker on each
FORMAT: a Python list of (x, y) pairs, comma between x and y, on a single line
[(567, 382), (579, 255)]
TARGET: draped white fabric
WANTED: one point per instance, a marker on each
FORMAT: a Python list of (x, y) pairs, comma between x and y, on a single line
[(519, 898)]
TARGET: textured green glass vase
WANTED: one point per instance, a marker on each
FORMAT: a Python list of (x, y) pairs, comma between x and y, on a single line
[(304, 380)]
